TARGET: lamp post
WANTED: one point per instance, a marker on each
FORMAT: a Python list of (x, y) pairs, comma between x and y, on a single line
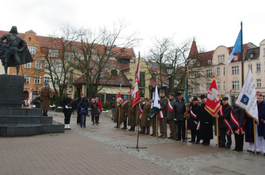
[(130, 81), (169, 73)]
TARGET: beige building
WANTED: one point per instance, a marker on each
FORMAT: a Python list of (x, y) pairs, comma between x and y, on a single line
[(229, 80)]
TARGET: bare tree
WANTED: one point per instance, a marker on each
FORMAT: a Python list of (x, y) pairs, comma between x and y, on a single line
[(56, 57), (98, 53)]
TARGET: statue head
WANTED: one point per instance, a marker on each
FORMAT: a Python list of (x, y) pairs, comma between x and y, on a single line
[(13, 30)]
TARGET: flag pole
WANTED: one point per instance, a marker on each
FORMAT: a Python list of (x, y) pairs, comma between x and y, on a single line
[(186, 121), (156, 118), (241, 55), (119, 119), (255, 145)]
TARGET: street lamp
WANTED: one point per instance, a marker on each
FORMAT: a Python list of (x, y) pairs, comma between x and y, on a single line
[(169, 73), (130, 81)]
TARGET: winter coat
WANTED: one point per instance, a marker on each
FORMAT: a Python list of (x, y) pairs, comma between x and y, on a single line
[(124, 110), (67, 102), (226, 115), (94, 109), (206, 122), (163, 104), (193, 121), (84, 104), (179, 109), (169, 113), (45, 96)]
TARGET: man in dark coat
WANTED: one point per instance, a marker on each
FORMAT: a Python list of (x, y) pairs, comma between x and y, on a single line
[(206, 122), (170, 119), (223, 117), (79, 99), (261, 126), (238, 116), (112, 106), (193, 121), (178, 112), (67, 110)]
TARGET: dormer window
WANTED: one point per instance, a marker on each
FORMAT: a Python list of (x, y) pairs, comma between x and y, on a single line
[(114, 72), (235, 58), (74, 47), (209, 61)]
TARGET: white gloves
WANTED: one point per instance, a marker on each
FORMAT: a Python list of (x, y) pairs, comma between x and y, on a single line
[(66, 107)]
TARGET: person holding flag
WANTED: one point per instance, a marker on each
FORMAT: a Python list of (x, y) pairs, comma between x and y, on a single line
[(178, 115), (225, 128), (145, 118), (124, 111), (163, 119), (206, 123), (117, 110), (170, 119)]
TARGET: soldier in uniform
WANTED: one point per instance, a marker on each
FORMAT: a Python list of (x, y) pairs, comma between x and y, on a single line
[(163, 121), (193, 121), (223, 117), (172, 123), (145, 121), (132, 116), (117, 112), (178, 115), (45, 97), (153, 124), (206, 121), (67, 110), (124, 111)]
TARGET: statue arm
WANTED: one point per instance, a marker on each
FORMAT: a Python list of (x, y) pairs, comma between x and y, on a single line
[(24, 45)]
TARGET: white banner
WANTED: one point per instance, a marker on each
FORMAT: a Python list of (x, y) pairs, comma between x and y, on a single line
[(247, 98)]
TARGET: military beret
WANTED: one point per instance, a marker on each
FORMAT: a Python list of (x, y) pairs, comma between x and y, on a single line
[(225, 98)]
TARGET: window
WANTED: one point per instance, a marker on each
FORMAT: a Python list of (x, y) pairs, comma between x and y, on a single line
[(37, 79), (32, 50), (53, 53), (218, 85), (224, 70), (27, 66), (235, 84), (235, 57), (197, 63), (218, 71), (153, 75), (74, 47), (258, 67), (142, 79), (38, 64), (26, 79), (209, 73), (221, 58), (224, 86), (208, 86), (56, 81), (235, 70), (258, 82), (46, 65), (196, 74), (69, 58), (46, 79), (209, 61), (197, 87), (57, 66), (114, 72)]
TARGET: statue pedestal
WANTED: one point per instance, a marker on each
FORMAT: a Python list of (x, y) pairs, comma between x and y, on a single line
[(11, 90), (17, 121)]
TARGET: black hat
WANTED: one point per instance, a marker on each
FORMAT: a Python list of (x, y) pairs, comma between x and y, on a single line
[(225, 98), (178, 94), (172, 94), (203, 96), (195, 99)]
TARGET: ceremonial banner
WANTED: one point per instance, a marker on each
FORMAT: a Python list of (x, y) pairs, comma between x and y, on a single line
[(236, 49), (187, 100), (247, 98), (155, 106), (135, 92), (212, 104)]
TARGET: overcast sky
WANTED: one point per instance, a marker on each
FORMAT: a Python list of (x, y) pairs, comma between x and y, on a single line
[(211, 23)]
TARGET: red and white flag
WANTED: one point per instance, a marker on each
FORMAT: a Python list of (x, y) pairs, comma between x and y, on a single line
[(119, 96), (212, 104)]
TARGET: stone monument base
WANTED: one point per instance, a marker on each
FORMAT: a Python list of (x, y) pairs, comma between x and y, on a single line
[(17, 121)]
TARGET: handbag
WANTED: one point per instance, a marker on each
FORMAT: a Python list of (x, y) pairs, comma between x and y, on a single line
[(83, 111)]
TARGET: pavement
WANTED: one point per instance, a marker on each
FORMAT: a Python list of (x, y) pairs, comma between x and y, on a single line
[(104, 150)]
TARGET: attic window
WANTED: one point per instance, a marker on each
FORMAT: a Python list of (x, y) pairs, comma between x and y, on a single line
[(29, 38), (74, 47), (235, 58), (209, 61), (114, 72), (251, 55)]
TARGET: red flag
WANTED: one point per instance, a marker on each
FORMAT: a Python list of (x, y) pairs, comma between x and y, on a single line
[(138, 71), (212, 104), (135, 94), (119, 96)]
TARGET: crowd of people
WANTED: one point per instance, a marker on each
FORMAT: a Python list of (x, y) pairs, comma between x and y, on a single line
[(202, 125)]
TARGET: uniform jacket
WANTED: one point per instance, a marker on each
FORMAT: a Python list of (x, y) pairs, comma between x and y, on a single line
[(239, 114), (124, 110), (226, 115), (45, 96), (67, 101), (163, 104), (146, 111), (169, 113)]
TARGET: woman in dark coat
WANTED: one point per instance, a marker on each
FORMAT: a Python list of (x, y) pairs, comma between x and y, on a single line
[(83, 105), (94, 111)]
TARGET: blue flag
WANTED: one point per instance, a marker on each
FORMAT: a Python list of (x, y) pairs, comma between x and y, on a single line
[(236, 49)]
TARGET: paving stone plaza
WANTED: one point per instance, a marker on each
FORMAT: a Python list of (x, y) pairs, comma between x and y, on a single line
[(103, 150)]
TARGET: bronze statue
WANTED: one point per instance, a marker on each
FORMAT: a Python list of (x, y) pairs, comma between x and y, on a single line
[(14, 51)]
